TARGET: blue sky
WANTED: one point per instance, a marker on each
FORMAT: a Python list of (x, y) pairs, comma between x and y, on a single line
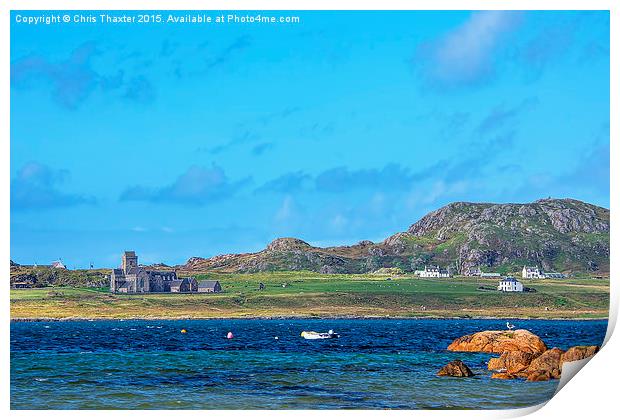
[(181, 141)]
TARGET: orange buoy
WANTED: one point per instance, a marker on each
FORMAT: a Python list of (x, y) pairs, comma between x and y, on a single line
[(229, 335), (183, 331)]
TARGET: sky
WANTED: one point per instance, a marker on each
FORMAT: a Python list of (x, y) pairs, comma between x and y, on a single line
[(196, 140)]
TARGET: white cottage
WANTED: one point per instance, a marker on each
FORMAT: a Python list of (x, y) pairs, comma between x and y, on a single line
[(532, 273), (433, 271), (510, 284)]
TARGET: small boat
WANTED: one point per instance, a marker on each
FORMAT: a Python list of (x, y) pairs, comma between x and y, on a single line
[(313, 335)]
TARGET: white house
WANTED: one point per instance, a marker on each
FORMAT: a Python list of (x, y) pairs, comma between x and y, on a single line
[(433, 271), (510, 284), (532, 273)]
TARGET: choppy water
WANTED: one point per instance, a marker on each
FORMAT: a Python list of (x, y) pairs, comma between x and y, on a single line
[(375, 364)]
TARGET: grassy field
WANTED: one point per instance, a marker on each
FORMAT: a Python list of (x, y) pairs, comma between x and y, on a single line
[(306, 294)]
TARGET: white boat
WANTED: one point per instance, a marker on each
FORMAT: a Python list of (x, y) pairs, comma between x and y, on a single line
[(313, 335)]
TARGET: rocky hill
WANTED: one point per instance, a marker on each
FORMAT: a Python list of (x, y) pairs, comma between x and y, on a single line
[(557, 234), (44, 276)]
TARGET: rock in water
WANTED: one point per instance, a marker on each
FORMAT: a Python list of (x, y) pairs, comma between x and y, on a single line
[(511, 362), (578, 353), (534, 368), (545, 366), (523, 354), (499, 342), (455, 368)]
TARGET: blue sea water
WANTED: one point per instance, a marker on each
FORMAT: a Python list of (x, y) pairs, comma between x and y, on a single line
[(376, 364)]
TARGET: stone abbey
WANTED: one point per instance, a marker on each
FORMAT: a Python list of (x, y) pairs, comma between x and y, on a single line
[(132, 278)]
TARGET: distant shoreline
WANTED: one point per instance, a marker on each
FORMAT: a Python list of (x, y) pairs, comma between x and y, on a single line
[(329, 297), (263, 318)]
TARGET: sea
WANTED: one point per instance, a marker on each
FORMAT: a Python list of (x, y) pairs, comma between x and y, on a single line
[(375, 364)]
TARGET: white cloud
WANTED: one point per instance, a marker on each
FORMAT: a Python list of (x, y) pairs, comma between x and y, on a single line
[(198, 185), (465, 55), (338, 222), (436, 192), (286, 210)]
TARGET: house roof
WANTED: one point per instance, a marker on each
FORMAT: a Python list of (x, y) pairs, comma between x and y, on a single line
[(123, 284), (511, 279), (176, 283), (434, 268), (207, 283), (118, 272)]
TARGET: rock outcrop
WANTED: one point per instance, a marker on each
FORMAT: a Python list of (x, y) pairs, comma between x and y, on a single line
[(523, 354), (482, 234), (288, 245), (578, 353), (511, 362), (455, 368), (545, 366), (499, 342)]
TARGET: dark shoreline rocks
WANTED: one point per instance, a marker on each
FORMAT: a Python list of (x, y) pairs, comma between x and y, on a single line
[(456, 368)]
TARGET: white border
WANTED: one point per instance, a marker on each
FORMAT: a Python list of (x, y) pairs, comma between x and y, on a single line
[(591, 395)]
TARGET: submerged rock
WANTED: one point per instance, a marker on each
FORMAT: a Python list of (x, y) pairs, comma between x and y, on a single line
[(499, 342), (455, 368), (503, 375)]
